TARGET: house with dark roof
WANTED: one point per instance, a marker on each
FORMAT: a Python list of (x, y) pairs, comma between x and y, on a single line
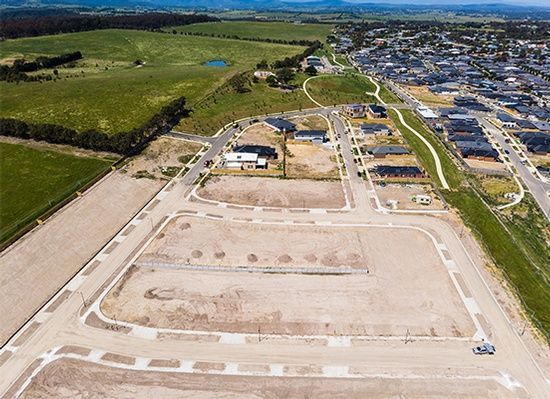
[(313, 136), (263, 151), (476, 150), (409, 172), (387, 150), (376, 111), (536, 142), (280, 124), (506, 120), (375, 129)]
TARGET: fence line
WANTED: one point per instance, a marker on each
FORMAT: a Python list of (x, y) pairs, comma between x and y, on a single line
[(255, 269)]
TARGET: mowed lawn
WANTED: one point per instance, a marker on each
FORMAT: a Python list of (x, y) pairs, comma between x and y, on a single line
[(107, 91), (262, 30), (33, 180)]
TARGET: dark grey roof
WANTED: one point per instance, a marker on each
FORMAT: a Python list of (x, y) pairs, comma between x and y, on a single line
[(311, 133), (388, 150), (397, 170), (281, 124), (261, 150)]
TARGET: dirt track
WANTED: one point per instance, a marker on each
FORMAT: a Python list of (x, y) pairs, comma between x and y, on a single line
[(262, 191), (74, 378)]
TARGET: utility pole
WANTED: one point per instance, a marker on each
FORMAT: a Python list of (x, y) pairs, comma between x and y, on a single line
[(284, 152)]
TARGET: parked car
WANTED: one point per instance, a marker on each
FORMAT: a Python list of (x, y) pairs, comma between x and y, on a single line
[(507, 152), (485, 349)]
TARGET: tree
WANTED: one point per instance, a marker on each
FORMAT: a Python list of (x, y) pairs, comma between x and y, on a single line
[(311, 70), (262, 64), (272, 81), (284, 75)]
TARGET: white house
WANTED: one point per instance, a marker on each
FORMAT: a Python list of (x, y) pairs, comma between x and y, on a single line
[(244, 161)]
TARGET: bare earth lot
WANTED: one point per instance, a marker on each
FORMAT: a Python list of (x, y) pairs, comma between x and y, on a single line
[(262, 191), (312, 161), (75, 378), (404, 194), (292, 303)]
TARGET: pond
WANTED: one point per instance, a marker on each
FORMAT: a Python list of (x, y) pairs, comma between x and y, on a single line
[(216, 63)]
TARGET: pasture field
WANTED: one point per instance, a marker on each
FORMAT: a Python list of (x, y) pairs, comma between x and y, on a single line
[(261, 30), (224, 105), (107, 91), (33, 180)]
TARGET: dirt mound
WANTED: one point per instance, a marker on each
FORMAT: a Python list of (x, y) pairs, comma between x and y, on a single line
[(185, 226), (196, 254), (311, 258), (284, 258), (252, 258), (219, 255)]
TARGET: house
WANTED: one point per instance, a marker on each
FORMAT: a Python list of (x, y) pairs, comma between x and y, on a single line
[(263, 151), (314, 61), (313, 136), (476, 150), (411, 172), (354, 110), (375, 129), (536, 142), (385, 150), (426, 113), (280, 124), (376, 111), (506, 121), (244, 161)]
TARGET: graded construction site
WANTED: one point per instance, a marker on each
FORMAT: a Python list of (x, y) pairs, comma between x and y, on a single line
[(162, 291)]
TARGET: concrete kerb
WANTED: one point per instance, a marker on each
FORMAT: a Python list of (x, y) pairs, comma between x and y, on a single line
[(96, 306), (231, 368)]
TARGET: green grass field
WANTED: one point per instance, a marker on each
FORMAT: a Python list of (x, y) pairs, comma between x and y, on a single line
[(106, 91), (516, 239), (225, 106), (341, 89), (34, 180), (262, 30)]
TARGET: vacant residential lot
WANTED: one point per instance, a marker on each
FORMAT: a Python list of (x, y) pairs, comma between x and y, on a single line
[(260, 30), (405, 194), (35, 179), (359, 304), (70, 378), (427, 97), (265, 191), (312, 161), (107, 91)]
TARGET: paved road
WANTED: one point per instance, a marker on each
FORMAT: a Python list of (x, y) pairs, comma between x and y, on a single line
[(536, 186), (447, 358)]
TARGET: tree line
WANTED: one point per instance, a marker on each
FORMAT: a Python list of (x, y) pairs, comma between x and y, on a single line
[(250, 39), (17, 72), (50, 25), (124, 143), (294, 61)]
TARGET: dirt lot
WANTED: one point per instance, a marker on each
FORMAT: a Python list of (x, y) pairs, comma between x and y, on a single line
[(79, 379), (404, 194), (312, 161), (241, 302), (264, 191), (162, 159), (474, 163), (402, 160), (424, 95)]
